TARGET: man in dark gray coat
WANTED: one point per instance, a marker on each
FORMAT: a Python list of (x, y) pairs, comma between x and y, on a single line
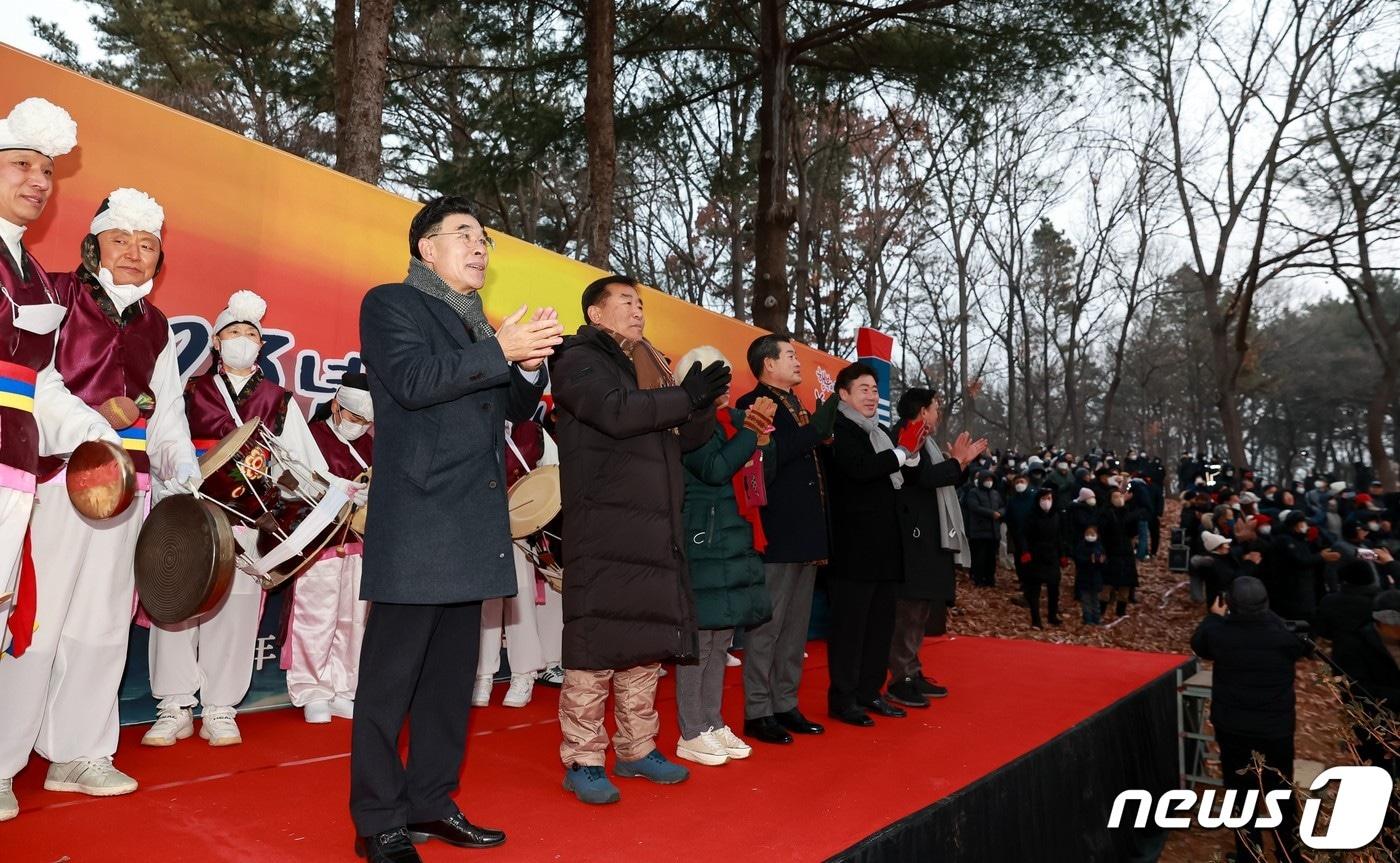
[(443, 384)]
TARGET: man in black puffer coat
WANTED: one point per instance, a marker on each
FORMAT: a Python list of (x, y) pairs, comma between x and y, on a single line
[(623, 424), (1252, 700)]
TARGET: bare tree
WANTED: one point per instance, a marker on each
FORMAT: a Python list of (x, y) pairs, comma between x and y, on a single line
[(361, 37)]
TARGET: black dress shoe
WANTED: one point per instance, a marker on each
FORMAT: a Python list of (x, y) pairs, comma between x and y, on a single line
[(905, 691), (881, 707), (794, 721), (852, 716), (766, 729), (456, 830), (391, 846), (930, 689)]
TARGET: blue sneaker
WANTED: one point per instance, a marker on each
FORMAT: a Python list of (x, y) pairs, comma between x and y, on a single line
[(655, 767), (590, 784)]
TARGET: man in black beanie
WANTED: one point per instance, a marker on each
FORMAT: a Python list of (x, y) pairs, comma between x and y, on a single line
[(1252, 702)]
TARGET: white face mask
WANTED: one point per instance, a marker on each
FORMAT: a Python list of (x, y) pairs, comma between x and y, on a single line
[(350, 430), (1046, 504), (238, 352), (37, 318), (122, 295), (1091, 537), (1265, 529), (1020, 487), (987, 484), (1373, 526)]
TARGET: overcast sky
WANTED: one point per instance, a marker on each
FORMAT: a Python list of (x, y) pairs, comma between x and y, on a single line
[(71, 15)]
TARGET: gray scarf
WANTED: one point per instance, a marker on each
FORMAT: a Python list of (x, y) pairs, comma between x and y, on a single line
[(949, 512), (468, 306), (878, 438)]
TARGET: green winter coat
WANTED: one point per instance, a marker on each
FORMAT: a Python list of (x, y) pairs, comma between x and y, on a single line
[(725, 571)]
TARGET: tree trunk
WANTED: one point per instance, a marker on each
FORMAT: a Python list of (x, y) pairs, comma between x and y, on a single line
[(1227, 393), (969, 406), (365, 130), (772, 299), (343, 50), (599, 29), (1375, 428)]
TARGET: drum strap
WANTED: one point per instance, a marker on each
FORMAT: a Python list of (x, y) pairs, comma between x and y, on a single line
[(228, 399), (354, 453), (524, 465)]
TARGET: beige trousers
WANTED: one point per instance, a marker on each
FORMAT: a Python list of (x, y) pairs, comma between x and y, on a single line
[(582, 703)]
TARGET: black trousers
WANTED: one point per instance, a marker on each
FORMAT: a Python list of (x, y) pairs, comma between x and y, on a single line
[(1236, 754), (984, 562), (858, 645), (1030, 589), (416, 661)]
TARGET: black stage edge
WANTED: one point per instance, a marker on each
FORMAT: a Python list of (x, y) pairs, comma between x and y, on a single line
[(1051, 804)]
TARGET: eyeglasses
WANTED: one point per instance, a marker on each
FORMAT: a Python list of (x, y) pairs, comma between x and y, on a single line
[(471, 238)]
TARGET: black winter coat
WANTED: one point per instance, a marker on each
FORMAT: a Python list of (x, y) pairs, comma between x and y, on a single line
[(1254, 657), (796, 520), (928, 566), (1043, 537), (1372, 670), (1295, 568), (978, 505), (441, 399), (867, 545), (1118, 527), (627, 594), (1341, 615)]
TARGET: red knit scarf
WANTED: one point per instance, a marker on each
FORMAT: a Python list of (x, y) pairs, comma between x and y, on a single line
[(748, 511)]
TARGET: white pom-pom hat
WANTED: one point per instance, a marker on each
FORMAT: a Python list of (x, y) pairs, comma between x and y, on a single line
[(129, 210), (244, 307), (39, 125)]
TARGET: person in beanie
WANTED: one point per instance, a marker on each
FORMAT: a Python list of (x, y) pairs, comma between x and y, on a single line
[(723, 540), (1042, 542), (212, 655), (930, 520), (1252, 701), (327, 622), (624, 423), (985, 511), (1089, 560)]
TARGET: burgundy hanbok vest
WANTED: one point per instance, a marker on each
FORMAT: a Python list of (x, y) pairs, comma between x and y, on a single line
[(208, 413), (337, 454), (22, 356), (528, 437), (100, 358)]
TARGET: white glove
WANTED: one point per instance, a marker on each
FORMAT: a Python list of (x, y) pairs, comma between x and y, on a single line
[(102, 431), (186, 479), (358, 492)]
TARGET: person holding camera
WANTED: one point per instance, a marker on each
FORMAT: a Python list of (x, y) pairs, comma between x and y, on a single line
[(1252, 704)]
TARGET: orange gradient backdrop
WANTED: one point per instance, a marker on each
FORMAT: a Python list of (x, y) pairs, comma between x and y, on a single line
[(240, 214)]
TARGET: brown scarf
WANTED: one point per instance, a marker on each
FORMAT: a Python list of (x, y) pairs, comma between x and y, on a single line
[(652, 371)]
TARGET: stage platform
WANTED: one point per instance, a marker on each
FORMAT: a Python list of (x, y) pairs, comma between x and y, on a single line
[(1021, 763)]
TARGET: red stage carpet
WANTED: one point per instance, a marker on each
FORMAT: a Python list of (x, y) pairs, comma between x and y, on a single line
[(282, 794)]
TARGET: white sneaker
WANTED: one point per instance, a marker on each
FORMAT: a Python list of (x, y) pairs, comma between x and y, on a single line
[(703, 748), (522, 686), (317, 712), (217, 726), (481, 695), (343, 707), (9, 803), (172, 724), (732, 743), (732, 661), (551, 676), (94, 776)]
